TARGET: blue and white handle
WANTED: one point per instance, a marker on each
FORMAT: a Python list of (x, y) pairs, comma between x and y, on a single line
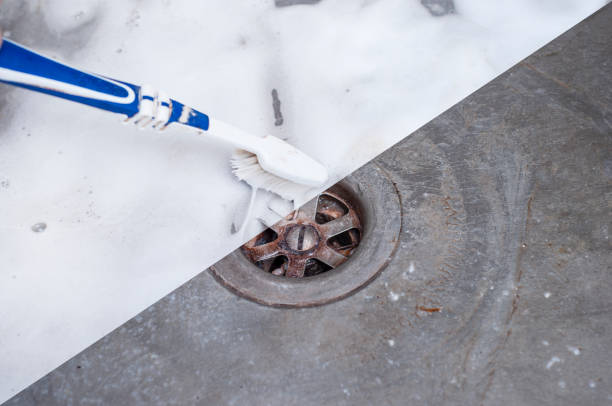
[(142, 105)]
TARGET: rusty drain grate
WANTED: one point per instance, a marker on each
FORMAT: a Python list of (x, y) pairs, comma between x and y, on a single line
[(360, 216), (316, 238)]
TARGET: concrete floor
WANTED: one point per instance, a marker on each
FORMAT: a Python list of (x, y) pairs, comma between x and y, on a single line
[(507, 211)]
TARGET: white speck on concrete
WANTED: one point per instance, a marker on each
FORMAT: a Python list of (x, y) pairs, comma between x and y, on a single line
[(573, 350), (411, 267), (346, 392), (545, 343), (547, 294), (394, 296), (390, 361), (552, 362), (562, 384), (391, 343), (505, 292), (592, 384)]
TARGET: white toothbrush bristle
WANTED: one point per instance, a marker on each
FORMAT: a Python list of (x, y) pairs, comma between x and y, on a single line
[(246, 167)]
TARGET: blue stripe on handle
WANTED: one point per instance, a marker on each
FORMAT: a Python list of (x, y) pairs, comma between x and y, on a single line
[(196, 119), (199, 120)]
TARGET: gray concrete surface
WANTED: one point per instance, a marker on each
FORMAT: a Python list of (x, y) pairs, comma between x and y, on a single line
[(500, 291)]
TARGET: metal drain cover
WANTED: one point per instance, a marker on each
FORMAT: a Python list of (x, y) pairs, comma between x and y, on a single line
[(316, 238), (327, 249)]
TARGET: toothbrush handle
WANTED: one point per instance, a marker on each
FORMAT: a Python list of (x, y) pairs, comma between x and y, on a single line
[(22, 67)]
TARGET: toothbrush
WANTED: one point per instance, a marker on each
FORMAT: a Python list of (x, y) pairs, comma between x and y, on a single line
[(264, 162)]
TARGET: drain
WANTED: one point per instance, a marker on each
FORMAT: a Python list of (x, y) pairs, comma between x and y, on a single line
[(328, 249), (316, 238)]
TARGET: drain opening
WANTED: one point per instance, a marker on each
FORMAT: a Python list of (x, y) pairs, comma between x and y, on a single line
[(316, 238), (360, 217)]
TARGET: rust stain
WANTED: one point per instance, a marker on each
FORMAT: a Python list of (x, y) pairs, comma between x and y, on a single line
[(429, 309), (546, 75)]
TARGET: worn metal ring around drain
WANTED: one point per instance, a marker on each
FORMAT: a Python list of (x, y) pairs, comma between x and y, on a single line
[(328, 249)]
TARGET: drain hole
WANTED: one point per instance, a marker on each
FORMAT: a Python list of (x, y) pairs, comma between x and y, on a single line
[(316, 244), (317, 238), (276, 266), (265, 237), (329, 208), (345, 241), (315, 267)]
